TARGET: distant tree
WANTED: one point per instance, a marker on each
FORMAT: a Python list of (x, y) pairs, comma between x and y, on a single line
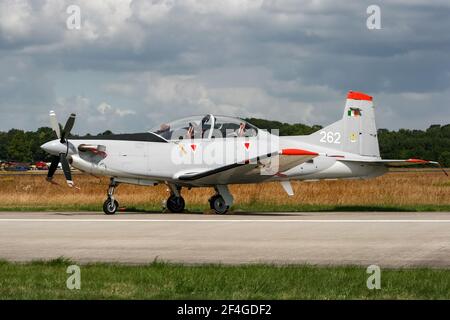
[(41, 136), (3, 145), (444, 159), (105, 133), (18, 147), (285, 129)]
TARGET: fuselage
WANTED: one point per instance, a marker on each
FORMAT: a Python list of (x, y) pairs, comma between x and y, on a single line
[(147, 162)]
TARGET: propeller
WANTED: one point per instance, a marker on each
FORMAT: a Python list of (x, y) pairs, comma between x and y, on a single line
[(62, 157)]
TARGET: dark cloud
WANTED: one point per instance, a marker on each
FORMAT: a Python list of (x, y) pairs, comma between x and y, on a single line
[(288, 60)]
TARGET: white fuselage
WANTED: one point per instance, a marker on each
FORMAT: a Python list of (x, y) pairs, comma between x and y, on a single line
[(144, 162)]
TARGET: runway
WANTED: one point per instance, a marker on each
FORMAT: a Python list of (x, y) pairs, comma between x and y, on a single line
[(394, 239)]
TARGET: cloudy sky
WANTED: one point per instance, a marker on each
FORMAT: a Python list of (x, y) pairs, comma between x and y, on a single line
[(134, 63)]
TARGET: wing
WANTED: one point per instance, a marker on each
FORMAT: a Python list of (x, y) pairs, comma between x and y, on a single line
[(252, 170)]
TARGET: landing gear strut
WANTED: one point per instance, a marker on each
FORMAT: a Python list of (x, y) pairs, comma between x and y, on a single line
[(175, 203), (110, 205), (222, 200)]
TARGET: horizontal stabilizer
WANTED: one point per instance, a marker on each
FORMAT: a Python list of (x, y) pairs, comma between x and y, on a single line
[(393, 162)]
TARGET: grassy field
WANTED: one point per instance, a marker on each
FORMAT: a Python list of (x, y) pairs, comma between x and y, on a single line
[(410, 190), (47, 280), (406, 190)]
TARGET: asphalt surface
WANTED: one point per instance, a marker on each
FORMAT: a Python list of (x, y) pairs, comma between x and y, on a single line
[(386, 239)]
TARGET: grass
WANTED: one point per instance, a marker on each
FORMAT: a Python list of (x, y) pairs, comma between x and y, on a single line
[(396, 191), (47, 280)]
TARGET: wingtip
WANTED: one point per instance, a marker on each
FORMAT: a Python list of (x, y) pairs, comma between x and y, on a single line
[(412, 160)]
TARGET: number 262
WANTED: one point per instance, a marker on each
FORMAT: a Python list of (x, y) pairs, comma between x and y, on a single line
[(330, 137)]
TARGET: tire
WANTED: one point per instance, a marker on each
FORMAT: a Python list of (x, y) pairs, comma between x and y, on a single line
[(110, 207), (175, 204), (217, 203)]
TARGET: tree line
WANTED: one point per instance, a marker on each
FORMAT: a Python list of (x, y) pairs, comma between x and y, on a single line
[(430, 144)]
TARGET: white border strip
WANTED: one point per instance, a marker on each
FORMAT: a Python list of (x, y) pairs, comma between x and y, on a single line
[(233, 220)]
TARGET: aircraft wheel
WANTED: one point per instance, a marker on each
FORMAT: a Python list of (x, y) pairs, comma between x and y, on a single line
[(110, 207), (217, 203), (175, 204)]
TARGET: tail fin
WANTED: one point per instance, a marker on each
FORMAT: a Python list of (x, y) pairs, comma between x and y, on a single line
[(356, 132)]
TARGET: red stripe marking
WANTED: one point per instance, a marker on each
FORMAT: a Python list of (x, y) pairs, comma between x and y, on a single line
[(358, 96), (298, 152), (417, 161)]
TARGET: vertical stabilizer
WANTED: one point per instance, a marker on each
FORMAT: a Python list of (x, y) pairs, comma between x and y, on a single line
[(356, 132)]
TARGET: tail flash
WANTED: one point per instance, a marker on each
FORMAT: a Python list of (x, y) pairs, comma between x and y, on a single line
[(356, 132)]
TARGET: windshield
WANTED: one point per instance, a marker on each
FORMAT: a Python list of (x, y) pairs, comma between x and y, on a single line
[(234, 127), (205, 127)]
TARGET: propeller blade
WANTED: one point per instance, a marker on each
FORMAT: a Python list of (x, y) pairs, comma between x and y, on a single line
[(52, 168), (54, 123), (66, 169), (68, 127)]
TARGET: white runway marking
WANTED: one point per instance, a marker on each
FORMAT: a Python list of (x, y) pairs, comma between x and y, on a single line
[(235, 220)]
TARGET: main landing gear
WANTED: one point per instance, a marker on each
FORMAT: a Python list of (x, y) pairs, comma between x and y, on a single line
[(110, 205), (175, 203), (222, 200), (217, 203)]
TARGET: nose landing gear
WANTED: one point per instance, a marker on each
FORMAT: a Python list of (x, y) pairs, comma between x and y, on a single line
[(110, 205)]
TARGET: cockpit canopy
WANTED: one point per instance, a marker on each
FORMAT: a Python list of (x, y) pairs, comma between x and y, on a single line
[(205, 127)]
